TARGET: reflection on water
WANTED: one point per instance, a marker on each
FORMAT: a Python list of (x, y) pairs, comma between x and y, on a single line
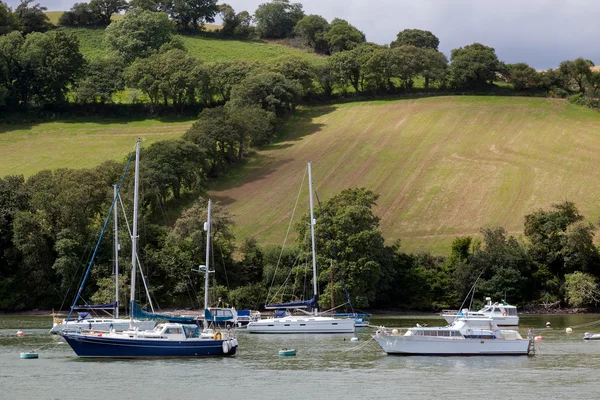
[(327, 366)]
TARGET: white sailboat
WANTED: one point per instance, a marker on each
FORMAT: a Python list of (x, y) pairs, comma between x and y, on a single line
[(310, 322)]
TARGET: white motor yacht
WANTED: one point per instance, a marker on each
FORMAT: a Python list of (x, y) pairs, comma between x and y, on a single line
[(503, 314)]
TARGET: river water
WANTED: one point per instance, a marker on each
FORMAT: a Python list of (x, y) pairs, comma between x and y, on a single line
[(326, 367)]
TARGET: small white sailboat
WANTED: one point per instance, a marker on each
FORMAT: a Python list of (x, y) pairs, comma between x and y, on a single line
[(461, 338), (311, 321)]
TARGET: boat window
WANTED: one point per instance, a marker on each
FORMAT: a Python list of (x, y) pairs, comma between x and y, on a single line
[(191, 331), (173, 330), (512, 311)]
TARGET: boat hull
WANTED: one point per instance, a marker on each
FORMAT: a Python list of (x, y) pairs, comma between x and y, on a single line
[(104, 346), (434, 346), (298, 325)]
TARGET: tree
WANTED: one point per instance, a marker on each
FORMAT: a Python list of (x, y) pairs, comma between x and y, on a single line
[(474, 65), (417, 38), (172, 75), (32, 19), (139, 34), (311, 29), (81, 14), (347, 231), (521, 75), (103, 78), (8, 20), (576, 72), (103, 10), (504, 265), (346, 69), (170, 166), (297, 70), (147, 5), (581, 289), (343, 36), (433, 66), (191, 14), (190, 237), (223, 76), (271, 90), (560, 242), (277, 19), (239, 25), (50, 64), (407, 64)]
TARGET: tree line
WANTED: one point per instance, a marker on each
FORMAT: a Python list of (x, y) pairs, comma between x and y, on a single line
[(50, 222), (40, 67)]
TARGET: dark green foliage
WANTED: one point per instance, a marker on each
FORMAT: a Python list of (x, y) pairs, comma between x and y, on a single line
[(139, 34), (171, 76), (522, 76), (224, 76), (416, 37), (311, 29), (81, 14), (8, 19), (39, 69), (170, 166), (474, 65), (576, 73), (297, 70), (103, 10), (277, 19), (342, 36), (347, 232), (96, 12), (103, 78), (191, 14), (32, 18), (270, 90), (238, 25)]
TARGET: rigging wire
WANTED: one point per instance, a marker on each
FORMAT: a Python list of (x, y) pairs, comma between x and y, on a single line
[(333, 250), (87, 272), (286, 236)]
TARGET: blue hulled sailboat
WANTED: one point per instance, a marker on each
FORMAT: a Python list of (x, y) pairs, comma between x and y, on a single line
[(171, 339)]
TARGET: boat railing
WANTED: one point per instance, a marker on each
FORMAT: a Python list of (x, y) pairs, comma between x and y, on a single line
[(450, 312)]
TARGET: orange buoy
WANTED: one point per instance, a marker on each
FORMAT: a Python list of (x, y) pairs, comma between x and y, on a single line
[(20, 333)]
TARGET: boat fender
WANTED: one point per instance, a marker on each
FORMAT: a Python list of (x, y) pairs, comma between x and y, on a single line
[(225, 347), (469, 332), (234, 343), (218, 336)]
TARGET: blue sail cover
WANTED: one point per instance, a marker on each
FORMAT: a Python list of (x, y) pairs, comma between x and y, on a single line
[(109, 306), (137, 312), (312, 303), (208, 316)]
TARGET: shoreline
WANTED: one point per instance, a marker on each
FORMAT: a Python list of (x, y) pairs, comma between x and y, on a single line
[(376, 312)]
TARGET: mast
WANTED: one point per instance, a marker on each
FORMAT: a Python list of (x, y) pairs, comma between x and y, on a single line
[(134, 233), (115, 216), (312, 234), (206, 280)]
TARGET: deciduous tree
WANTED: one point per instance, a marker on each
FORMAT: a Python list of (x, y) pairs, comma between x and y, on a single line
[(277, 19)]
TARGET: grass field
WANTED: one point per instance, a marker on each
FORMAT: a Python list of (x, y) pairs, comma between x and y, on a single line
[(443, 166), (206, 48), (27, 149)]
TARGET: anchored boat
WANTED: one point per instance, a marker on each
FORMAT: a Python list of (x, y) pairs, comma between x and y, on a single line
[(461, 338)]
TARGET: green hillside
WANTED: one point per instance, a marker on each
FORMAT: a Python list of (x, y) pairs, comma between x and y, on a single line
[(443, 166), (26, 149), (206, 48)]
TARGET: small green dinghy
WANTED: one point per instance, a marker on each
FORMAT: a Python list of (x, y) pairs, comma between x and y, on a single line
[(26, 356), (287, 352)]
